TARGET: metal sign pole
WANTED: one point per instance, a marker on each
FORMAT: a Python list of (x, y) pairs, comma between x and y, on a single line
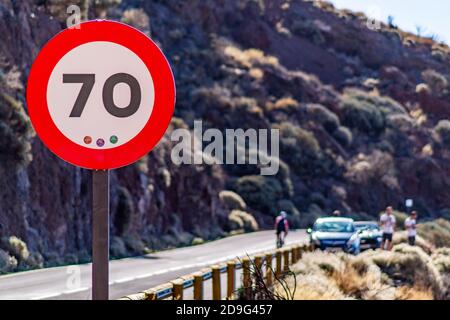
[(100, 234)]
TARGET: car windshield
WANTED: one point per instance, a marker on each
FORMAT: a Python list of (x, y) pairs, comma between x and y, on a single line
[(366, 226), (334, 226)]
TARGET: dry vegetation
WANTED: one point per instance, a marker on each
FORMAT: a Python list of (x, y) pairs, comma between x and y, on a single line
[(363, 117), (406, 273)]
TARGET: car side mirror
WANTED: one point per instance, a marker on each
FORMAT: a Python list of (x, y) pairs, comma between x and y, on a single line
[(309, 230)]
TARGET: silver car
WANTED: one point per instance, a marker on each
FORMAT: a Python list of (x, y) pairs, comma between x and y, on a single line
[(333, 233)]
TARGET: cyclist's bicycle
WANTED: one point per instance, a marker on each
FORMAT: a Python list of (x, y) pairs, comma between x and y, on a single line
[(280, 240)]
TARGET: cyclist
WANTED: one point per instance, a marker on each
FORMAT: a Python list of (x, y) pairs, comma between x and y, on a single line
[(282, 228)]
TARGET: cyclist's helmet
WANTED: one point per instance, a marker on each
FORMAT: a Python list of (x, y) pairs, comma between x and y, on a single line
[(283, 214)]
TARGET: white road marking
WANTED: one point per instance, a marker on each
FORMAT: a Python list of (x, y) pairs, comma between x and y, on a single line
[(76, 290), (123, 280), (197, 265), (47, 296)]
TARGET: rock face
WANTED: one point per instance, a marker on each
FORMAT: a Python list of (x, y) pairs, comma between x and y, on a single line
[(356, 110)]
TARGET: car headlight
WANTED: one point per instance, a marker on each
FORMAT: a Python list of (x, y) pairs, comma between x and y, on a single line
[(315, 240), (352, 240)]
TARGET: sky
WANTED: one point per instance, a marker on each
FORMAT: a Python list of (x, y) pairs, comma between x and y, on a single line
[(432, 15)]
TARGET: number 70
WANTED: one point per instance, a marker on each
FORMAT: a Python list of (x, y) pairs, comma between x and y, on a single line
[(88, 81)]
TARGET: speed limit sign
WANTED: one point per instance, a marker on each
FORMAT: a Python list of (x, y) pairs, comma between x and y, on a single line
[(100, 96)]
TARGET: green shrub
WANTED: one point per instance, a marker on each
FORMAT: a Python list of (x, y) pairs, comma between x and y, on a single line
[(117, 248), (322, 115), (7, 263), (437, 82), (232, 200), (437, 232), (360, 113), (307, 29), (35, 261), (317, 198), (235, 222), (242, 220), (400, 218), (58, 8), (260, 192), (441, 258), (308, 218), (344, 136), (442, 129), (17, 248), (396, 142), (445, 213), (134, 244), (301, 149), (197, 241), (385, 104), (402, 122), (137, 18), (178, 123), (15, 133)]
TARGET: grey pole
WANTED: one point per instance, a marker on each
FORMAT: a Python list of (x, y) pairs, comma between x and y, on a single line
[(100, 235)]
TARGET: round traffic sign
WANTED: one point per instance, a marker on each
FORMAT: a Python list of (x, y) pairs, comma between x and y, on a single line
[(100, 96)]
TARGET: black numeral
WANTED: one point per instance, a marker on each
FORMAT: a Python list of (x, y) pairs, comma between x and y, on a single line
[(88, 81)]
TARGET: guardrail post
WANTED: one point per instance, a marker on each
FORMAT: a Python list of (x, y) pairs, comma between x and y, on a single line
[(258, 262), (278, 270), (293, 254), (286, 260), (231, 279), (216, 283), (299, 252), (150, 295), (269, 269), (198, 286), (258, 271), (177, 289), (247, 280)]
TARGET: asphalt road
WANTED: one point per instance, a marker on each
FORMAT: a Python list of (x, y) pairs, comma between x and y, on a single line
[(132, 275)]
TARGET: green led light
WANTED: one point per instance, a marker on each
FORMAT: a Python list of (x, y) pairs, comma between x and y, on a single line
[(113, 139)]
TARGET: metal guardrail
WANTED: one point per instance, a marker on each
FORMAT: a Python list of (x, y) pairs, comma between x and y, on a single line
[(284, 258)]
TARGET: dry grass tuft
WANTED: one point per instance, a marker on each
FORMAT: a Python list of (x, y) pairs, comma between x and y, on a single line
[(402, 237), (406, 273), (413, 293), (250, 57)]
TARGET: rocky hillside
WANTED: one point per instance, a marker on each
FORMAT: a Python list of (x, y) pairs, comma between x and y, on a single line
[(363, 117)]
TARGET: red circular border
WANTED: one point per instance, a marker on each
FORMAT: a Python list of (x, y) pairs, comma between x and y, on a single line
[(143, 47)]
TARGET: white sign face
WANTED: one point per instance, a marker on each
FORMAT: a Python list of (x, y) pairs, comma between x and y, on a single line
[(409, 202), (93, 102)]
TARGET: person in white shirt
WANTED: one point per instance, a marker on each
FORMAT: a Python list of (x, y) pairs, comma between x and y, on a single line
[(387, 223), (410, 226)]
